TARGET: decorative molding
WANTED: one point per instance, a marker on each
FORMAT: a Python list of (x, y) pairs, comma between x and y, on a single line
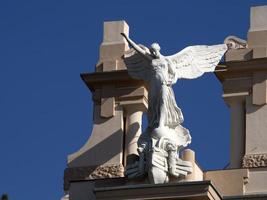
[(92, 172), (108, 171), (254, 161), (234, 42)]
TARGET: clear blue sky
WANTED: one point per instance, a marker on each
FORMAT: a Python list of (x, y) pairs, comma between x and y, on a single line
[(46, 109)]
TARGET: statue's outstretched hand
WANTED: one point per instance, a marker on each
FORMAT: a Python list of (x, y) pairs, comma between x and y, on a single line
[(123, 34), (127, 38)]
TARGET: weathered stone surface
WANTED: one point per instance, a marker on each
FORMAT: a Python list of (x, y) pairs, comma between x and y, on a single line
[(110, 171)]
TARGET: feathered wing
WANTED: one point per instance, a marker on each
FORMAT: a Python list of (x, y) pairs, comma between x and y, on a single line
[(137, 66), (193, 61)]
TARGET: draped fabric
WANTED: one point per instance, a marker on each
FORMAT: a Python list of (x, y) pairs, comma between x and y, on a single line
[(165, 104), (161, 99)]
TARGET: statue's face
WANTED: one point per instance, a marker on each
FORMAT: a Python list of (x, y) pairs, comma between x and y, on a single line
[(155, 50)]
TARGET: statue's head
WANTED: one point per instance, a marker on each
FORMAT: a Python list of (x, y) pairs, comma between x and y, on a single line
[(155, 50)]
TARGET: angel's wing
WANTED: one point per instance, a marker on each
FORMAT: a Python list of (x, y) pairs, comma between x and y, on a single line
[(137, 66), (194, 61)]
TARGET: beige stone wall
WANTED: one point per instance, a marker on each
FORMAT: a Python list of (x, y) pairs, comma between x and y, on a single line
[(256, 128), (245, 91), (257, 181), (105, 143), (228, 182), (119, 102)]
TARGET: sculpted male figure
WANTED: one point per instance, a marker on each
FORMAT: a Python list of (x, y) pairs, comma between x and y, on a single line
[(165, 136)]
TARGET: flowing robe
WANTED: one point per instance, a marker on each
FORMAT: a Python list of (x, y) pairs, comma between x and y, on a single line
[(161, 99)]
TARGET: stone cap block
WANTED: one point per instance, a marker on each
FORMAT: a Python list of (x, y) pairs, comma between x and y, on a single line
[(257, 34), (112, 30), (113, 46), (258, 18)]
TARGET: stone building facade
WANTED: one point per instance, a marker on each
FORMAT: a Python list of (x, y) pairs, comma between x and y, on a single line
[(96, 171)]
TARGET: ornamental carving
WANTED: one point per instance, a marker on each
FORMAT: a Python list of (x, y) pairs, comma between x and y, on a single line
[(92, 172), (254, 161)]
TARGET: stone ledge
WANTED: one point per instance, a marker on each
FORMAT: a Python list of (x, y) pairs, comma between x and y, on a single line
[(247, 197), (198, 190), (238, 69), (97, 79)]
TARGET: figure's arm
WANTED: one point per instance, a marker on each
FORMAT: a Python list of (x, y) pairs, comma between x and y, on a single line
[(171, 68), (171, 72), (137, 47)]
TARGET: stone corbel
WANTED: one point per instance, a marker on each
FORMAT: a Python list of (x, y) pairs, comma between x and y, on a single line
[(238, 49)]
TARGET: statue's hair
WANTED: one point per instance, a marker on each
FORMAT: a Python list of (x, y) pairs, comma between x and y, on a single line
[(155, 46)]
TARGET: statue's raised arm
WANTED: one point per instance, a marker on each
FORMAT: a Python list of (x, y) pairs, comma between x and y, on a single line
[(144, 52)]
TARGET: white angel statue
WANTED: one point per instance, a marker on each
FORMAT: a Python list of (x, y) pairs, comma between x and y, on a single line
[(161, 72)]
